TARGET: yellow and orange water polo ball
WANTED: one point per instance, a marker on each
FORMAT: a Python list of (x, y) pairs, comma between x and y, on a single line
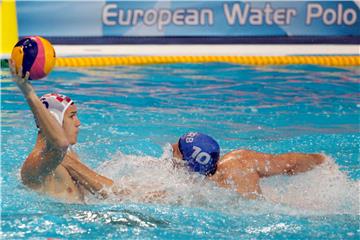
[(36, 55)]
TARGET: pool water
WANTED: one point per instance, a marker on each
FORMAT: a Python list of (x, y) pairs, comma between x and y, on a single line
[(130, 114)]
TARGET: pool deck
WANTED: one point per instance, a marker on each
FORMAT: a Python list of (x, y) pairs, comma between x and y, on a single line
[(207, 50)]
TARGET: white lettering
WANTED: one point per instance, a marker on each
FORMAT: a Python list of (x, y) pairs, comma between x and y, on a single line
[(203, 158), (310, 14), (192, 18), (331, 16), (236, 13), (112, 15), (192, 134), (164, 18), (197, 150), (200, 157), (107, 14), (210, 17), (124, 19), (289, 15), (340, 11), (138, 13), (279, 17), (268, 14), (353, 16), (257, 16), (190, 137), (178, 17), (150, 17)]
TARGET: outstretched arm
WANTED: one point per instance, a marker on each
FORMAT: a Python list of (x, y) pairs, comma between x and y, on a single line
[(289, 163), (273, 164), (242, 169), (36, 168), (98, 184), (92, 181)]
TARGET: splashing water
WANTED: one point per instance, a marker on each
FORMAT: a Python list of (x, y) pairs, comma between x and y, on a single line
[(323, 190), (271, 109), (145, 175)]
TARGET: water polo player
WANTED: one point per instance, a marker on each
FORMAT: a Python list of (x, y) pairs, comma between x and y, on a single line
[(241, 169), (52, 167)]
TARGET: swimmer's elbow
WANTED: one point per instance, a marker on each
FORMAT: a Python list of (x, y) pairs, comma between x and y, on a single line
[(61, 144), (306, 162), (318, 158), (57, 148)]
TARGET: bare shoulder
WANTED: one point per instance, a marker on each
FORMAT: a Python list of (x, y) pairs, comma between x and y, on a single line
[(237, 170), (239, 153), (241, 156), (27, 174), (232, 161), (32, 172)]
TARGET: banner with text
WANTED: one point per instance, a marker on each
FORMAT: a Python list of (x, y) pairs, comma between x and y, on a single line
[(109, 19)]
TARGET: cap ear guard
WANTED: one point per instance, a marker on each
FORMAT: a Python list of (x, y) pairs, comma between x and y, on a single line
[(56, 116)]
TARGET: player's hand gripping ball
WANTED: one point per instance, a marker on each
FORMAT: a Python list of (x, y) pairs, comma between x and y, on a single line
[(36, 55)]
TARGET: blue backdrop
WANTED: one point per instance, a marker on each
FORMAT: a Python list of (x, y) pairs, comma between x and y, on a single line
[(191, 19)]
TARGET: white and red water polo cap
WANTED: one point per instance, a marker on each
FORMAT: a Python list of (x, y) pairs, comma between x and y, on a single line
[(57, 105)]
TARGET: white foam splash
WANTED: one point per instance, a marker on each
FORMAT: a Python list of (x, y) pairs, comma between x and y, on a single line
[(324, 189), (147, 179)]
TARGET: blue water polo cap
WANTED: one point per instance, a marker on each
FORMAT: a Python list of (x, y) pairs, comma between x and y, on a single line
[(200, 151)]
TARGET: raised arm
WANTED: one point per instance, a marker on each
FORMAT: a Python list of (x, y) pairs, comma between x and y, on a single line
[(39, 165)]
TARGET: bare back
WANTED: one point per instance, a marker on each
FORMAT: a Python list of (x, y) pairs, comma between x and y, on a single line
[(242, 169), (235, 171)]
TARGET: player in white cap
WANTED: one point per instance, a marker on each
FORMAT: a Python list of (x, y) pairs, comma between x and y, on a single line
[(52, 167)]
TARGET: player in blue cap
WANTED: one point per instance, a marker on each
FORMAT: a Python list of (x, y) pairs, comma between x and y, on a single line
[(200, 151), (240, 169)]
